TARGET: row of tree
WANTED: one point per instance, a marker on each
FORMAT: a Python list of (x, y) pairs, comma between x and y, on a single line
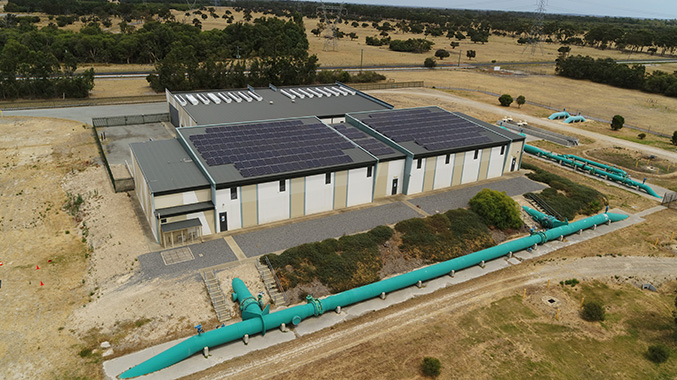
[(152, 42), (37, 74), (607, 71)]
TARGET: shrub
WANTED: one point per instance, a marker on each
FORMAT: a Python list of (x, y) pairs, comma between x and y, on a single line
[(593, 312), (642, 136), (617, 122), (658, 353), (381, 234), (429, 62), (431, 367), (566, 197), (412, 45), (505, 100), (441, 53), (497, 209)]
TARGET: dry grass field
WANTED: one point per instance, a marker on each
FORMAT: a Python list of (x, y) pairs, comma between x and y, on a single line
[(638, 108)]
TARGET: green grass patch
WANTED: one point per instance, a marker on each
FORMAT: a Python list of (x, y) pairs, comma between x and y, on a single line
[(568, 198)]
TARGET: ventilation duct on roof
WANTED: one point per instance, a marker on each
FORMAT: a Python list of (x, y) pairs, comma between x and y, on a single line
[(308, 94), (255, 96), (214, 98), (342, 91), (351, 92), (300, 95), (310, 90), (332, 90), (202, 98), (323, 92), (224, 97), (192, 99), (245, 96), (285, 93), (181, 100), (235, 97)]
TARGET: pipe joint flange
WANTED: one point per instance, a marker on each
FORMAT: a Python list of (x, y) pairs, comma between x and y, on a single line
[(317, 305)]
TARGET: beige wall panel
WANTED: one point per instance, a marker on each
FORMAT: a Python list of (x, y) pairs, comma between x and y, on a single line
[(297, 197), (209, 215), (203, 195), (176, 218), (459, 158), (484, 164), (249, 206), (381, 188), (169, 200), (429, 176), (340, 189)]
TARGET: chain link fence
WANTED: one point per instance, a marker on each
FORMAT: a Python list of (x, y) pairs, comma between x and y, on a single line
[(115, 121), (385, 85)]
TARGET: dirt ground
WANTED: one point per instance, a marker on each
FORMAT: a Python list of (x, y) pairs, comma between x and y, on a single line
[(84, 291)]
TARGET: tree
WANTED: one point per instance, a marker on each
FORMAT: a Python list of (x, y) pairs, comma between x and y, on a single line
[(658, 353), (641, 136), (454, 44), (674, 142), (593, 312), (441, 54), (496, 208), (470, 54), (505, 100), (520, 100), (429, 62), (617, 122), (564, 50), (431, 367), (352, 35)]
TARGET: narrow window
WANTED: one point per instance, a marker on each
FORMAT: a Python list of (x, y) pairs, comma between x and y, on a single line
[(502, 149), (327, 178), (419, 163), (233, 193), (282, 186), (163, 220), (369, 171), (477, 153), (447, 159)]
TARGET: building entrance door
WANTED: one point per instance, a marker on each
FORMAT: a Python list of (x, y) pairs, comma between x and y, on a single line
[(223, 219), (512, 165), (394, 189)]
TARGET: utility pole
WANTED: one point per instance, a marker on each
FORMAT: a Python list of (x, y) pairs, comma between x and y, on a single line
[(361, 59), (460, 52)]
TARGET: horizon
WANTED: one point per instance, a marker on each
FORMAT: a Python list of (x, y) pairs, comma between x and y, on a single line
[(652, 9)]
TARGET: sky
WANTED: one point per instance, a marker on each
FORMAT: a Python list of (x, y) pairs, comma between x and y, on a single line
[(664, 9)]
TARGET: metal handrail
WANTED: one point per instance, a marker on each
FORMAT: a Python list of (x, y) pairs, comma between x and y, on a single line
[(544, 205), (277, 280)]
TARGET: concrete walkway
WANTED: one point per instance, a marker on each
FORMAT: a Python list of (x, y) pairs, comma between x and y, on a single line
[(220, 354)]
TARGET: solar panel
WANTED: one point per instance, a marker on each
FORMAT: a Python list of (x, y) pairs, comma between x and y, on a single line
[(271, 147), (430, 128)]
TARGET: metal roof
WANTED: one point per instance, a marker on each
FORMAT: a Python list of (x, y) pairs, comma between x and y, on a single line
[(275, 103), (167, 166), (181, 225), (428, 131), (378, 148), (245, 153)]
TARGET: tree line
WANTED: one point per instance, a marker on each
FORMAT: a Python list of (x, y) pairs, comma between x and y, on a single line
[(607, 71), (269, 50)]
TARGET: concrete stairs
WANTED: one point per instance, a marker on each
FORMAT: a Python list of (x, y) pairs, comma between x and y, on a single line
[(268, 277), (219, 300)]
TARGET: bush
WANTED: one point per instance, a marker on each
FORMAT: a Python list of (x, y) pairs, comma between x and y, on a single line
[(441, 53), (496, 209), (566, 197), (593, 312), (642, 136), (617, 122), (658, 353), (412, 45), (431, 367), (505, 100), (429, 62)]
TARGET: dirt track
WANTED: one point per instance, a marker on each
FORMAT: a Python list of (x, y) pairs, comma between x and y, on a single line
[(424, 96), (299, 358)]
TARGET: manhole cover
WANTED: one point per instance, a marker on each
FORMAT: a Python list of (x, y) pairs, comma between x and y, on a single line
[(551, 301), (178, 255)]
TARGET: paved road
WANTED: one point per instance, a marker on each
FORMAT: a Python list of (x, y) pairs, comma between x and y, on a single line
[(426, 94), (85, 114)]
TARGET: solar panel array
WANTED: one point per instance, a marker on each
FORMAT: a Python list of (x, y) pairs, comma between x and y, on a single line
[(362, 139), (272, 147), (431, 129)]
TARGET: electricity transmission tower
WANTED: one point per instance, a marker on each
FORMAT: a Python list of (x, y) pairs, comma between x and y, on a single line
[(536, 34), (332, 17)]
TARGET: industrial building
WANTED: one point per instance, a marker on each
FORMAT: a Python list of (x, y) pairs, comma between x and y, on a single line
[(239, 173)]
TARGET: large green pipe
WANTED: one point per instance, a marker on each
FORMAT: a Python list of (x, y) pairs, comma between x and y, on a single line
[(296, 314), (545, 220), (564, 160), (607, 168)]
